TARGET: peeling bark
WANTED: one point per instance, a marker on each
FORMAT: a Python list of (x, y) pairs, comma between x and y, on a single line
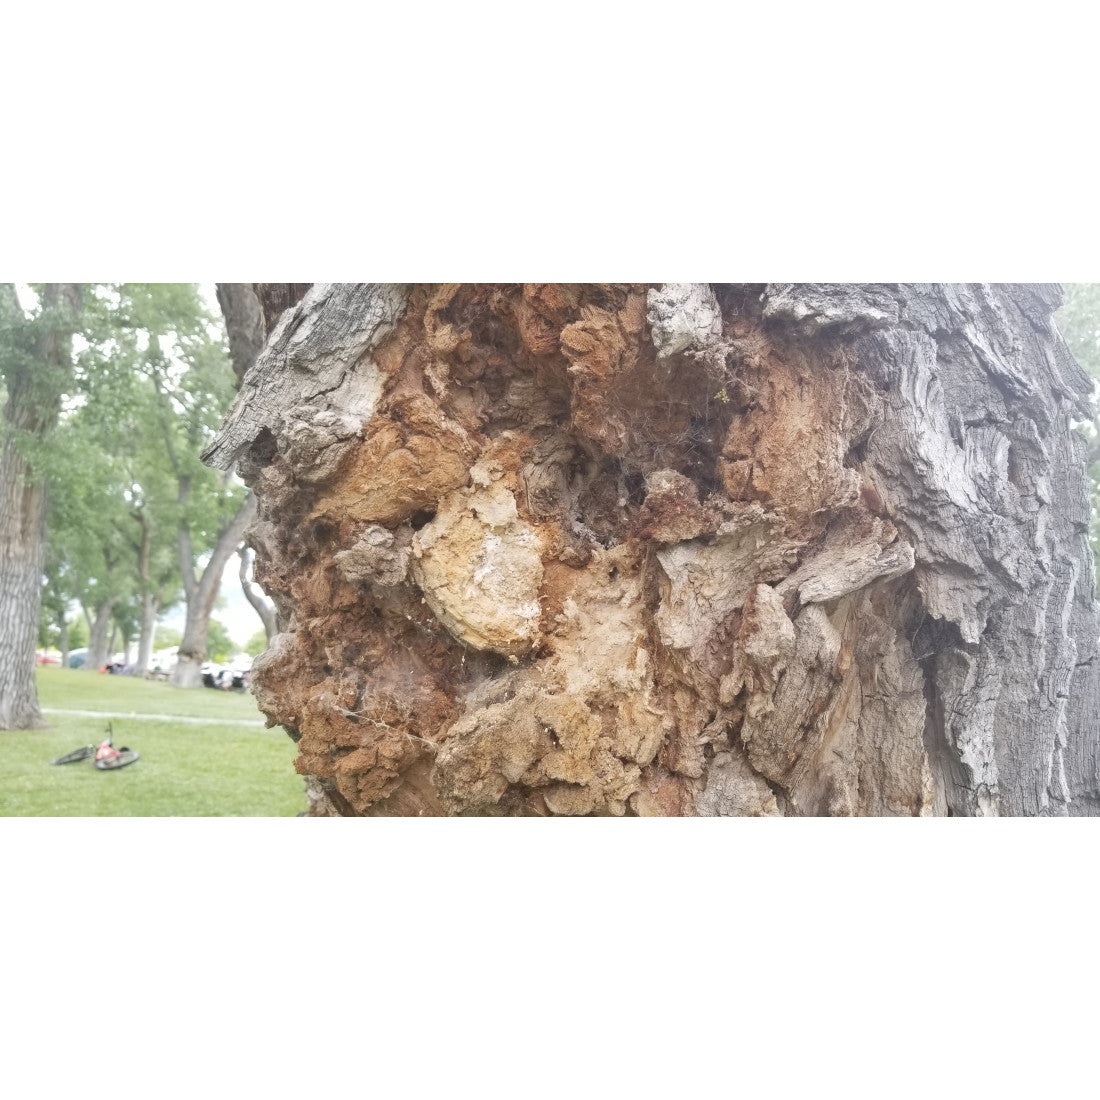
[(671, 550)]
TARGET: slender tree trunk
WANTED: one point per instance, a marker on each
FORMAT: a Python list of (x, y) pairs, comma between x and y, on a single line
[(63, 630), (34, 390), (676, 549), (100, 636), (203, 591), (147, 640), (148, 596)]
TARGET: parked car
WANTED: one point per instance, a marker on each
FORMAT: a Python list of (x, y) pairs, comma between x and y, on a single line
[(77, 657)]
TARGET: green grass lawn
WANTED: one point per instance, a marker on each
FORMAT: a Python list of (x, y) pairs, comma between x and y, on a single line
[(220, 763)]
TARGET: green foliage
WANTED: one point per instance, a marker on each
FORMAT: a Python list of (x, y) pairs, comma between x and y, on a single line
[(151, 381), (127, 617), (87, 551), (1079, 321), (35, 371), (18, 334), (256, 644), (220, 646), (167, 637), (49, 632)]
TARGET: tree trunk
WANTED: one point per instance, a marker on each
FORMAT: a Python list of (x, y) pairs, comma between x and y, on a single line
[(244, 324), (149, 596), (34, 390), (192, 649), (676, 550), (202, 591), (147, 639), (63, 641), (99, 636), (22, 544)]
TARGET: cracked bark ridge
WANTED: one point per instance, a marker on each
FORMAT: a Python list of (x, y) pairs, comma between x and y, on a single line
[(789, 549)]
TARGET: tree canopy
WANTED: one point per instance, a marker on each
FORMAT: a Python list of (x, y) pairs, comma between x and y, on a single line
[(1079, 321), (130, 506)]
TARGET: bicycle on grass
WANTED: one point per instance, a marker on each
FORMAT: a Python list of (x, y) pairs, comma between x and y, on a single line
[(107, 757)]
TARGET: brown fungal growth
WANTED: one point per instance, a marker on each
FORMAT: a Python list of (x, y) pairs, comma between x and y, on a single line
[(629, 549)]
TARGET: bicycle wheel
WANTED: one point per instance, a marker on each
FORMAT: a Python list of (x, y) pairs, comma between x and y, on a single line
[(113, 763), (77, 754)]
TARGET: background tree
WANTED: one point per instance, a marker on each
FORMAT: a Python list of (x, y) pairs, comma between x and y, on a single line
[(157, 362), (54, 625), (680, 549), (220, 646), (110, 439), (257, 643), (246, 325), (89, 524), (36, 369)]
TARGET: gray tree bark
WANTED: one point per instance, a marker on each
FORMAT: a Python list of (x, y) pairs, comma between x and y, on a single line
[(685, 549), (244, 324), (34, 389)]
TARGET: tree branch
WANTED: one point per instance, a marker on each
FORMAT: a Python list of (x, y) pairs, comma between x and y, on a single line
[(262, 607)]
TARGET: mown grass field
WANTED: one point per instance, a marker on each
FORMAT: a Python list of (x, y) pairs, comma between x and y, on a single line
[(222, 762)]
